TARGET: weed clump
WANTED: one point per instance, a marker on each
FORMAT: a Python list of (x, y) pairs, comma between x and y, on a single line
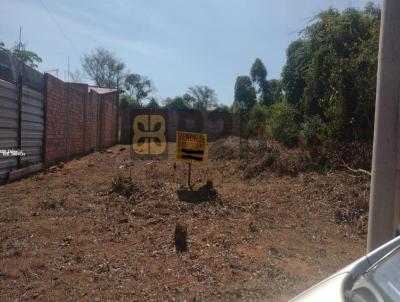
[(123, 186)]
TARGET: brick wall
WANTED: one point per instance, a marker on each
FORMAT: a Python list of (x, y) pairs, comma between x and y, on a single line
[(126, 127), (74, 119), (92, 102), (109, 122), (215, 124), (56, 126), (77, 121)]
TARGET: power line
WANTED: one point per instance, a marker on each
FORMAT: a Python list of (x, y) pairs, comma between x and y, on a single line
[(49, 13)]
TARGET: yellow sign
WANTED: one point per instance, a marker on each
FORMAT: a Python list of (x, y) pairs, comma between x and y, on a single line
[(149, 141), (191, 147)]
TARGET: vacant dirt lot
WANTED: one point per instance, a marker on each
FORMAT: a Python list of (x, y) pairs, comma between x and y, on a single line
[(81, 233)]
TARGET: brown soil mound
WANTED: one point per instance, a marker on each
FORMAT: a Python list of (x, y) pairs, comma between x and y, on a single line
[(259, 156), (357, 155), (225, 149), (273, 156), (279, 159)]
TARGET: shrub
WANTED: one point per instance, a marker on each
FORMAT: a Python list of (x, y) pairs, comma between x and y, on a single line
[(283, 123), (257, 124), (310, 131)]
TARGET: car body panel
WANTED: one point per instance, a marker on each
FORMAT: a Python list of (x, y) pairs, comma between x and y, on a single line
[(334, 287), (330, 289)]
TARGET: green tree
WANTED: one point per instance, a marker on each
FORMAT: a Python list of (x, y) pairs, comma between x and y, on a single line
[(366, 75), (201, 97), (176, 103), (257, 124), (223, 107), (245, 94), (189, 99), (103, 67), (153, 104), (310, 132), (3, 46), (341, 75), (295, 70), (28, 57), (138, 87), (283, 123), (258, 74), (276, 90), (236, 107), (25, 56), (125, 101)]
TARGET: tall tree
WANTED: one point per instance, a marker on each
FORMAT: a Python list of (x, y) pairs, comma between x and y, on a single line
[(341, 75), (295, 70), (153, 104), (138, 87), (258, 74), (125, 101), (189, 99), (202, 97), (103, 67), (3, 46), (276, 90), (245, 93), (28, 57), (20, 52)]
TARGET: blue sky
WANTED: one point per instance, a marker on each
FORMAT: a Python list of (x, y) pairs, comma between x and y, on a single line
[(176, 43)]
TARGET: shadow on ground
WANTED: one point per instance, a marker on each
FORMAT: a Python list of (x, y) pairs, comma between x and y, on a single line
[(205, 193)]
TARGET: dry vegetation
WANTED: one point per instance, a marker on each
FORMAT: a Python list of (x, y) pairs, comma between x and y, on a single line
[(103, 228)]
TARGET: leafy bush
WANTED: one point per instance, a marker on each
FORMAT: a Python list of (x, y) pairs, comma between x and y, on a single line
[(125, 101), (310, 131), (283, 123), (257, 124), (331, 72), (176, 103)]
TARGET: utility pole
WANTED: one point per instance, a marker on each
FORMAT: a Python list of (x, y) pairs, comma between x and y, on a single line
[(20, 35), (384, 213), (68, 69)]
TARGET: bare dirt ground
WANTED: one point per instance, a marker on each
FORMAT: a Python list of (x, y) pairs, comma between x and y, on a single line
[(68, 234)]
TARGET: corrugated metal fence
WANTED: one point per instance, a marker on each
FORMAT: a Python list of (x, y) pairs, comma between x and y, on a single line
[(8, 126), (32, 119), (21, 115), (49, 120)]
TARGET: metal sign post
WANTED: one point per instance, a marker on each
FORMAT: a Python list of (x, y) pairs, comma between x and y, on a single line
[(189, 174), (191, 148)]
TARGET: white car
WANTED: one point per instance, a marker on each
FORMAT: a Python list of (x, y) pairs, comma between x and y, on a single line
[(372, 278)]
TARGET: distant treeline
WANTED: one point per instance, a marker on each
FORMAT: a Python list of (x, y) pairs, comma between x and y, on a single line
[(327, 88), (326, 92)]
